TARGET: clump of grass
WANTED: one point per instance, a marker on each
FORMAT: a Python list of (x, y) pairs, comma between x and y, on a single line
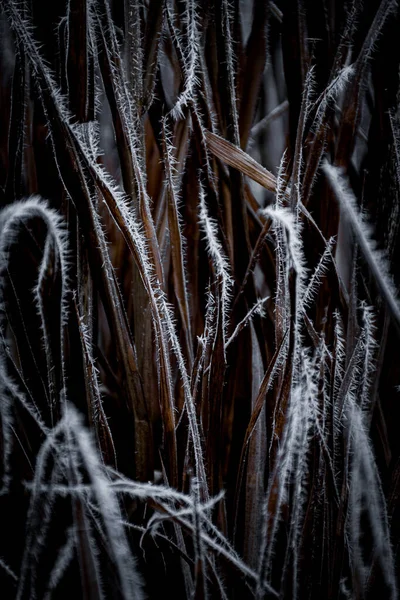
[(199, 323)]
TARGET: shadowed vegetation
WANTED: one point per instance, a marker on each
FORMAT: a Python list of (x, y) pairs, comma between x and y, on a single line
[(199, 250)]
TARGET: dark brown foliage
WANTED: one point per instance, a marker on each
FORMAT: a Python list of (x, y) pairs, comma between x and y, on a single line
[(199, 240)]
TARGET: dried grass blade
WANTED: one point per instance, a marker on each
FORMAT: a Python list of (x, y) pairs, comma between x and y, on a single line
[(266, 383), (375, 260), (177, 244), (240, 160)]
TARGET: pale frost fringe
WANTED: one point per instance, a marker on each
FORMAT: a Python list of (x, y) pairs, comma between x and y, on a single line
[(208, 168), (286, 218), (281, 182), (58, 98), (76, 451), (347, 35), (227, 19), (61, 564), (8, 570), (8, 386), (288, 246), (188, 96), (180, 545), (300, 423), (291, 224), (340, 353), (166, 495), (111, 280), (331, 94), (106, 185), (189, 50), (319, 272), (138, 242), (338, 374), (161, 495), (11, 218), (219, 260), (89, 46), (171, 164), (84, 523), (394, 219), (24, 30), (205, 340), (298, 157), (173, 183), (216, 541), (277, 368), (282, 194), (394, 124), (370, 352), (303, 421), (88, 135), (189, 404), (36, 207), (135, 51), (310, 382), (93, 386), (210, 317), (35, 521), (126, 106), (9, 392), (350, 385), (203, 509), (376, 259), (312, 417), (257, 309), (104, 489), (323, 418), (227, 552), (118, 545), (92, 43), (85, 542), (54, 230), (121, 485), (282, 295), (365, 487), (386, 7), (285, 460)]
